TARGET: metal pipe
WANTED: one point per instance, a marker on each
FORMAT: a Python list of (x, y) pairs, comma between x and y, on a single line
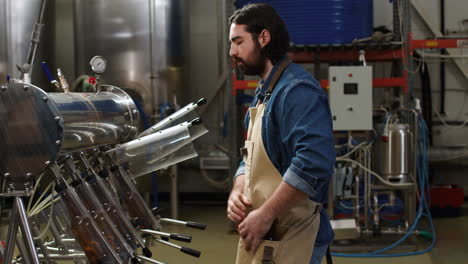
[(376, 211), (23, 252), (407, 9), (174, 192), (389, 231), (68, 251), (396, 21), (63, 241), (35, 38), (149, 259), (367, 187), (55, 233), (411, 212), (442, 63), (90, 119), (40, 241), (178, 237), (54, 257), (11, 236), (26, 229), (173, 221), (356, 193)]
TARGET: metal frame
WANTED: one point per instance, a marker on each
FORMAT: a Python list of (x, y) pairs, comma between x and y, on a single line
[(19, 218)]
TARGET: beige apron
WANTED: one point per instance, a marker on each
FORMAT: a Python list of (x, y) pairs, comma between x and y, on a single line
[(293, 234)]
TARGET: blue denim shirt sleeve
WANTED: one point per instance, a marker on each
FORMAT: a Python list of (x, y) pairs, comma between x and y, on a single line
[(306, 128), (240, 170)]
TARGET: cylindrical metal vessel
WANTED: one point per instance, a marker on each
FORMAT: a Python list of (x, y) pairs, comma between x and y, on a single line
[(393, 156), (17, 19), (144, 41), (35, 127), (94, 119)]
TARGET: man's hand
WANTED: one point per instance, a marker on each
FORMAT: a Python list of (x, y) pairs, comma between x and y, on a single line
[(254, 227), (259, 221), (238, 204)]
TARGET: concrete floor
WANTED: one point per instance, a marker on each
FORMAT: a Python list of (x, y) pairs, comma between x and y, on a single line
[(218, 246)]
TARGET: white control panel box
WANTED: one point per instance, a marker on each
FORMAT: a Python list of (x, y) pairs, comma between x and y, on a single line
[(350, 97)]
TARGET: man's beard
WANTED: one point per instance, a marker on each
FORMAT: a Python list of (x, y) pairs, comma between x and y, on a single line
[(256, 64)]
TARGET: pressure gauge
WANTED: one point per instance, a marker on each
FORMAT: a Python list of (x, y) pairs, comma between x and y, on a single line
[(98, 64)]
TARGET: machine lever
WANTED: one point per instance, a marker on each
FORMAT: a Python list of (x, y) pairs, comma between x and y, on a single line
[(188, 251), (186, 223)]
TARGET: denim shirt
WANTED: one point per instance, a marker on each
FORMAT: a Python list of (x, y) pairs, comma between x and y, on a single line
[(298, 136)]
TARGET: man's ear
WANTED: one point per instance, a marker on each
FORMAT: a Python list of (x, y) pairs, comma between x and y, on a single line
[(264, 38)]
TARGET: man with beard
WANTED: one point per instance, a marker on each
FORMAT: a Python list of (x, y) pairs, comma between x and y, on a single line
[(288, 158)]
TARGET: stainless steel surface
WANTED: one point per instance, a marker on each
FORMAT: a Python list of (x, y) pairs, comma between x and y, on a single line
[(57, 257), (69, 256), (30, 136), (153, 232), (174, 201), (17, 19), (168, 243), (356, 194), (11, 236), (173, 221), (26, 230), (26, 68), (394, 161), (94, 119), (144, 42), (23, 252), (150, 260)]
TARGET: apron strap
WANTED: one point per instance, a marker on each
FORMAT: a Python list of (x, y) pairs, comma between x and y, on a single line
[(329, 257), (276, 76)]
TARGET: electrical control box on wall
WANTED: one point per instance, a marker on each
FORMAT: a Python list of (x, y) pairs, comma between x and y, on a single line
[(350, 97)]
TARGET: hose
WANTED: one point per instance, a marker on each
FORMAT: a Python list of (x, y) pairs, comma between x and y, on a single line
[(423, 209), (34, 192)]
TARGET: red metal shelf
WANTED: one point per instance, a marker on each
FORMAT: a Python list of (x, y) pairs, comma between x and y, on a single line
[(350, 52)]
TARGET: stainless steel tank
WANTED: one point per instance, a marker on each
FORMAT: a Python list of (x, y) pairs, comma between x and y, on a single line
[(95, 119), (36, 127), (17, 19), (394, 157), (144, 41)]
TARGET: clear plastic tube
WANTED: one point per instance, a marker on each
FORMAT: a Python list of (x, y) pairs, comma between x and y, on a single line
[(115, 213), (131, 198), (141, 167), (103, 221), (95, 246), (154, 146)]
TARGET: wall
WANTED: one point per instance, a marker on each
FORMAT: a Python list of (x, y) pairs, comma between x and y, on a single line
[(64, 39)]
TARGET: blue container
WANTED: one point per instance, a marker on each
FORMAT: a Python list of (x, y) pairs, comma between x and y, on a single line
[(313, 22)]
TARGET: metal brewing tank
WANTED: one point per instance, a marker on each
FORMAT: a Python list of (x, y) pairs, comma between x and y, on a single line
[(17, 19), (96, 119), (37, 127), (144, 42), (393, 155)]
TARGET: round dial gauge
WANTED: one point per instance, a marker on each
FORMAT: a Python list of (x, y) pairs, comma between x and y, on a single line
[(98, 64)]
